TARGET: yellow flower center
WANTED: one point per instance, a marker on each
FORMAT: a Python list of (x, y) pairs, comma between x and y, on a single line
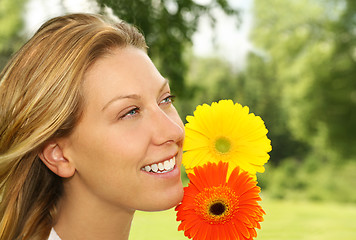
[(216, 205), (222, 145)]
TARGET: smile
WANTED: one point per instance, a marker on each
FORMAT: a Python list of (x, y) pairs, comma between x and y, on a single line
[(161, 167)]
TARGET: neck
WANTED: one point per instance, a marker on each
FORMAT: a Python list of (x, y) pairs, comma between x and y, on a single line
[(82, 217)]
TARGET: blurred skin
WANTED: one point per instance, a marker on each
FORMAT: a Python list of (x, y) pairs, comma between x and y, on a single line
[(128, 122)]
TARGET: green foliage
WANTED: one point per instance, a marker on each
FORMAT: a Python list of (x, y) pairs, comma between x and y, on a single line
[(297, 180), (302, 81), (309, 46), (168, 26), (263, 93), (208, 80), (336, 88), (10, 26)]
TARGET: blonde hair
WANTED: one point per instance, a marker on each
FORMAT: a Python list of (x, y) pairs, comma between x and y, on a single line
[(41, 99)]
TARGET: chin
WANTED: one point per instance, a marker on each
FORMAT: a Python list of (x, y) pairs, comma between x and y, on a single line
[(174, 201), (165, 201)]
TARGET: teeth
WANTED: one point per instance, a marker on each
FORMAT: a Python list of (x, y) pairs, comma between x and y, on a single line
[(161, 167), (154, 167), (147, 168), (167, 164)]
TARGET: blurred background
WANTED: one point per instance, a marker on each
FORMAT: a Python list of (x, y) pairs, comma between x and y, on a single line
[(291, 62)]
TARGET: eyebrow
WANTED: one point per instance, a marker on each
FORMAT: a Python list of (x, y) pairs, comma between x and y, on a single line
[(131, 96)]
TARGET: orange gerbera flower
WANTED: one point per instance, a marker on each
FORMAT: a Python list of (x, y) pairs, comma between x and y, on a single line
[(213, 208)]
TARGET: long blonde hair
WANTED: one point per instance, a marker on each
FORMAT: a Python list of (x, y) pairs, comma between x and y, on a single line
[(41, 99)]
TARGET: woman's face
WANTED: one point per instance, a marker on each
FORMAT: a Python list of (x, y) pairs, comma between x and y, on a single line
[(129, 128)]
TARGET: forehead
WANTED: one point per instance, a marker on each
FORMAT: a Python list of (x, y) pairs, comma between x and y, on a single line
[(124, 71)]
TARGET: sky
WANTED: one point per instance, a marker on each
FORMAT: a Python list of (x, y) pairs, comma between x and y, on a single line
[(230, 43)]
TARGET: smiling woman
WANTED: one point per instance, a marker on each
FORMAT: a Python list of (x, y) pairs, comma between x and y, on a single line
[(88, 133)]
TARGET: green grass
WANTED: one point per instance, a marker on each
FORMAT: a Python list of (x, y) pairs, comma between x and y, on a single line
[(284, 220), (308, 221)]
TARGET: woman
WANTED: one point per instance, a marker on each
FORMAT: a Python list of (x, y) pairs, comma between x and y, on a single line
[(88, 133)]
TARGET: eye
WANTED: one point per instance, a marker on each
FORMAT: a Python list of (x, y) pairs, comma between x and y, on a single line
[(168, 100), (131, 113)]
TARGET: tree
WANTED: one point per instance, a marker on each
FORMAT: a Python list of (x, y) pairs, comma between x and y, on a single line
[(10, 25), (208, 80), (335, 85), (309, 44), (168, 26)]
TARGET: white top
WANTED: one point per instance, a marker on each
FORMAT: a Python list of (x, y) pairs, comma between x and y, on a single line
[(53, 235)]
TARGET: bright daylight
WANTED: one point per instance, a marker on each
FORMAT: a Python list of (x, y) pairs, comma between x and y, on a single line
[(172, 119)]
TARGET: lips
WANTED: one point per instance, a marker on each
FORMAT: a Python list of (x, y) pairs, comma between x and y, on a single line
[(161, 167)]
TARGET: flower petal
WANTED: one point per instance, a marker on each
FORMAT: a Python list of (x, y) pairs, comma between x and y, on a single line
[(209, 186)]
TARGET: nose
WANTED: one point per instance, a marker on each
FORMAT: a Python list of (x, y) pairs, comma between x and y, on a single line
[(166, 127)]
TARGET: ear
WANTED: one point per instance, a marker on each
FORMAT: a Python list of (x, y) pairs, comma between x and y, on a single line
[(52, 156)]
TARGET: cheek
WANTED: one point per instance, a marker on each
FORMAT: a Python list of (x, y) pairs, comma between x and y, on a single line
[(107, 166), (129, 143), (99, 153)]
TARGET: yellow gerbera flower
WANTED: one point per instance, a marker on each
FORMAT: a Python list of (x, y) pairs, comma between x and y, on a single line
[(226, 132)]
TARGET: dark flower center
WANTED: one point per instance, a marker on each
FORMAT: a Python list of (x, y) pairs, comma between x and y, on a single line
[(217, 208)]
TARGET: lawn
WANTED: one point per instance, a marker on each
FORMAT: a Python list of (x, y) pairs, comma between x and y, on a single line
[(284, 220)]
